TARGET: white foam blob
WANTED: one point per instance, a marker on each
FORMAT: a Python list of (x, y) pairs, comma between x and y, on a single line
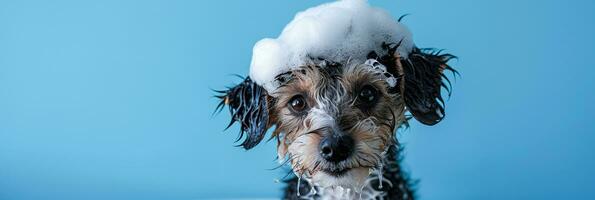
[(338, 31)]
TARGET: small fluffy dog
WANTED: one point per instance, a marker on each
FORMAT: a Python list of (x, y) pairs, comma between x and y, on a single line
[(335, 122)]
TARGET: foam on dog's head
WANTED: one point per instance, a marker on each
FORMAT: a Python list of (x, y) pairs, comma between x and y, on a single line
[(339, 31)]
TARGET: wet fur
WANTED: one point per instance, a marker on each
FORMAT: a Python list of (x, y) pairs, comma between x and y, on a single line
[(331, 91), (396, 184)]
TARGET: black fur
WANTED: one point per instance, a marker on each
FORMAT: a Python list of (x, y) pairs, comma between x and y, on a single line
[(402, 186), (248, 106), (424, 77)]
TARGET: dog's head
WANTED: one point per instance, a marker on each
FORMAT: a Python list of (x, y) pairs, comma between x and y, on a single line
[(335, 121)]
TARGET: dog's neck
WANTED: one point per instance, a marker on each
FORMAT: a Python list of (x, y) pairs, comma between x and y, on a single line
[(388, 183)]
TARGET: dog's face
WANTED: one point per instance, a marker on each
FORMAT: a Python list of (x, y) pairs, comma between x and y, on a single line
[(334, 122)]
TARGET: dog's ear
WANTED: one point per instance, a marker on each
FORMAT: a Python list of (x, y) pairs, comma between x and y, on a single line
[(248, 105), (422, 71)]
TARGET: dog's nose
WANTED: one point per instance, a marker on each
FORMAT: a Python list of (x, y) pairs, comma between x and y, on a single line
[(336, 148)]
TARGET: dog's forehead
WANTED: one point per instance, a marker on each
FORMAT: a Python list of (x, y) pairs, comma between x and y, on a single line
[(309, 73), (327, 73), (327, 70)]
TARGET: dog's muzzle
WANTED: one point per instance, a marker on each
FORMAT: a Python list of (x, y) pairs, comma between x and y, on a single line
[(336, 148)]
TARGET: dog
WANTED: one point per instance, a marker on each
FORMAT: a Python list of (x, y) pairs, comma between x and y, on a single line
[(335, 121)]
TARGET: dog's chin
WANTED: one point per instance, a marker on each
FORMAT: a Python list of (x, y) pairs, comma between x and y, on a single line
[(353, 178)]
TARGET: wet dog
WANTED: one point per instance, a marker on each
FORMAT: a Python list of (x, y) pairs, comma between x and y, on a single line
[(335, 123)]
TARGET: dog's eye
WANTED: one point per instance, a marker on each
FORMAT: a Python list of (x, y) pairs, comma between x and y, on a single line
[(298, 104), (368, 95)]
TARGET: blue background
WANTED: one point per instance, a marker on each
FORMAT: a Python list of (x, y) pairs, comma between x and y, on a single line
[(112, 99)]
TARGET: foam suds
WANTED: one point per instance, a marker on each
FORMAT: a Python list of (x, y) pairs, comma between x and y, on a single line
[(374, 64), (338, 31)]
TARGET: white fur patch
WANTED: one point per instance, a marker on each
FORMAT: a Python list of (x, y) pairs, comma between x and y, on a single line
[(354, 185)]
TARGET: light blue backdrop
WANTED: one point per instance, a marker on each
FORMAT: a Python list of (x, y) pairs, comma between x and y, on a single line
[(112, 99)]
